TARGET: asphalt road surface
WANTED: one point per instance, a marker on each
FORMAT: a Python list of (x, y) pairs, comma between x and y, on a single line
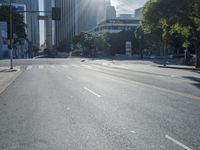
[(74, 105)]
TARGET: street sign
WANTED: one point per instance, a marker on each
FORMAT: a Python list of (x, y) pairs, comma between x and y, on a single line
[(43, 17)]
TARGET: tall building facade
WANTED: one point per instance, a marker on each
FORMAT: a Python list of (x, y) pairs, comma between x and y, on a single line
[(90, 13), (49, 26), (31, 20), (77, 16), (110, 12), (138, 13)]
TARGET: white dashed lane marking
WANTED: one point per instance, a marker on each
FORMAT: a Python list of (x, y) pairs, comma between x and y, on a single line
[(92, 92), (68, 77), (177, 142)]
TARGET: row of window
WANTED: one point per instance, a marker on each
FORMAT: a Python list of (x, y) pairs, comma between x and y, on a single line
[(125, 28)]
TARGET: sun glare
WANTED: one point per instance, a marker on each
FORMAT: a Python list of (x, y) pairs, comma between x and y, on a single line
[(114, 2)]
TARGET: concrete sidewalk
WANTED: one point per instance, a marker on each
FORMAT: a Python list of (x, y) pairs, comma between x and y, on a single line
[(7, 77)]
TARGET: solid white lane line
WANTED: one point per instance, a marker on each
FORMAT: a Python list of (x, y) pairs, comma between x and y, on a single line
[(177, 142), (29, 67), (163, 89), (41, 67), (92, 92)]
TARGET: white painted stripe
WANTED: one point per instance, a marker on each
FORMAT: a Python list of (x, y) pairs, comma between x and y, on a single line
[(76, 66), (133, 132), (164, 89), (177, 142), (87, 66), (105, 64), (92, 92), (175, 76), (65, 66), (41, 67), (18, 68), (68, 77), (52, 66), (29, 67)]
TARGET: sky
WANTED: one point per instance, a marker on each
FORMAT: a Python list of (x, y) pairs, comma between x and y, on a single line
[(122, 7), (127, 6)]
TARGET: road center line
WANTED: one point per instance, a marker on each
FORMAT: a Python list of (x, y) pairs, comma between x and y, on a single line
[(177, 142), (92, 92)]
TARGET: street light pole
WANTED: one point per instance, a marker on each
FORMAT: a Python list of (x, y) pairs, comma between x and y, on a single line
[(11, 37)]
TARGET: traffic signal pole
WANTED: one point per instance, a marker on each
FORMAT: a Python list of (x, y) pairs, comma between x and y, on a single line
[(56, 16), (11, 39)]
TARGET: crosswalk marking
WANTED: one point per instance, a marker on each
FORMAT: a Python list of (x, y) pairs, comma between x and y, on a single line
[(41, 67), (18, 68), (29, 67), (65, 66), (76, 66), (87, 66), (52, 66)]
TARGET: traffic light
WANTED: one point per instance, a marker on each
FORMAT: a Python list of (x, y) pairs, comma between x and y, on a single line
[(56, 13)]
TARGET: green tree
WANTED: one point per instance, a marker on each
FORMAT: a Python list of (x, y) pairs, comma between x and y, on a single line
[(174, 16), (87, 41), (17, 22)]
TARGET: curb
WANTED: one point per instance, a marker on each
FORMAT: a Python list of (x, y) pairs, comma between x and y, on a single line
[(9, 81), (180, 68)]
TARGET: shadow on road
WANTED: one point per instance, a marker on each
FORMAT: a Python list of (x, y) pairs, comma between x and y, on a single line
[(196, 80), (7, 70)]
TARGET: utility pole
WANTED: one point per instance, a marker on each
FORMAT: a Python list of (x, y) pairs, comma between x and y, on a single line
[(11, 37)]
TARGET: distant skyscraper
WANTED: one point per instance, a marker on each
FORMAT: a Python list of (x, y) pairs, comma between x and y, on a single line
[(77, 16), (110, 12), (90, 13), (32, 23), (49, 24), (67, 26), (138, 13)]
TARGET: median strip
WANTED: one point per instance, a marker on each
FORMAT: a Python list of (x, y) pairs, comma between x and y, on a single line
[(92, 92)]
